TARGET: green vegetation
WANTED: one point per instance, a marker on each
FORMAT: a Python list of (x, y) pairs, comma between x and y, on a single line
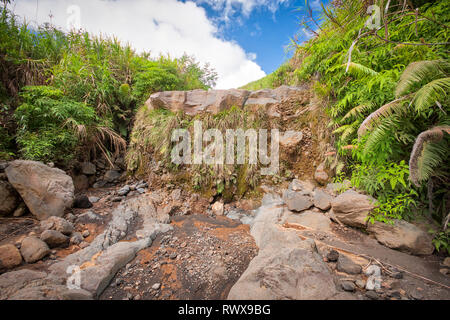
[(388, 103), (61, 92)]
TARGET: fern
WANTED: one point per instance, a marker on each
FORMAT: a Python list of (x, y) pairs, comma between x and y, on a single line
[(434, 91), (419, 71), (359, 70)]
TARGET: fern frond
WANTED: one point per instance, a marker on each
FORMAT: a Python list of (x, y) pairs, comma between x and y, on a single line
[(359, 70), (416, 72), (357, 111), (384, 111), (426, 155), (432, 92)]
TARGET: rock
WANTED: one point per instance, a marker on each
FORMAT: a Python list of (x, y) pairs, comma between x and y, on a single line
[(333, 256), (372, 295), (444, 271), (94, 199), (124, 191), (353, 208), (346, 265), (446, 262), (76, 238), (20, 210), (33, 249), (9, 199), (198, 101), (88, 168), (3, 166), (99, 184), (298, 202), (298, 185), (112, 176), (217, 208), (54, 238), (402, 236), (286, 267), (80, 183), (9, 257), (360, 283), (374, 280), (89, 217), (86, 233), (310, 219), (116, 199), (321, 175), (348, 286), (322, 200), (82, 202), (58, 224), (46, 191), (140, 190), (291, 139), (156, 286)]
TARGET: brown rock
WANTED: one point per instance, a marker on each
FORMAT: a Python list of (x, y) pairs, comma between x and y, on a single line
[(9, 257), (352, 208), (9, 199), (33, 249), (54, 238)]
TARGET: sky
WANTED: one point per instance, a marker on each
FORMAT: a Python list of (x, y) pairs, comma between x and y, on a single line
[(244, 40)]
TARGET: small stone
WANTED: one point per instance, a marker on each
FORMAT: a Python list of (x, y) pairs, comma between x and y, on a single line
[(137, 297), (156, 286), (446, 262), (20, 210), (444, 271), (82, 202), (54, 238), (397, 275), (217, 208), (333, 256), (372, 295), (124, 191), (94, 199), (348, 286), (86, 233), (141, 190), (173, 256), (76, 238)]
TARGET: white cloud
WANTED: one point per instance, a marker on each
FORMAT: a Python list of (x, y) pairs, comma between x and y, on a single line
[(229, 7), (159, 26)]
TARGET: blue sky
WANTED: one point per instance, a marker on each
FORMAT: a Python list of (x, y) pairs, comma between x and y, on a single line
[(242, 39), (265, 32)]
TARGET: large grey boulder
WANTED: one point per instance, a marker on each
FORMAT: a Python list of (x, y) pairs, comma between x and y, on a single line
[(353, 208), (46, 191), (298, 201), (54, 238), (402, 236), (310, 219), (286, 267), (9, 199)]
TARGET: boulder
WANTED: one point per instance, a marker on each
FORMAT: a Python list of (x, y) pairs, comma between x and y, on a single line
[(322, 200), (88, 168), (353, 208), (112, 175), (46, 191), (10, 257), (402, 236), (262, 98), (33, 249), (321, 176), (54, 238), (297, 201), (9, 199), (58, 224), (198, 101), (345, 264)]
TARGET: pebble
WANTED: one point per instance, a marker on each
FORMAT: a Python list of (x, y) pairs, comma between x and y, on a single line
[(372, 295), (333, 256), (86, 233), (156, 286), (348, 286)]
